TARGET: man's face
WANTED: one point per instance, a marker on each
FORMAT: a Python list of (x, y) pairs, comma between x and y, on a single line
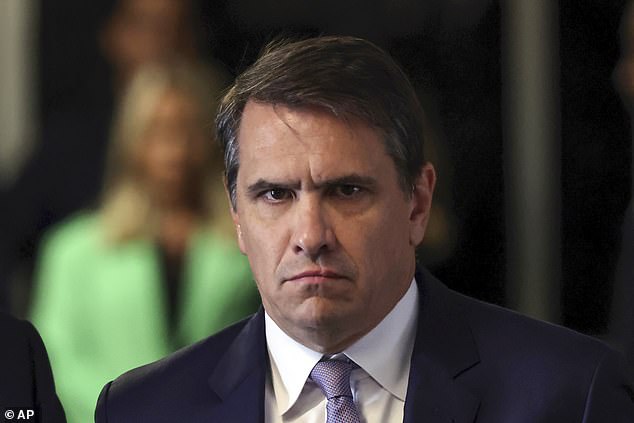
[(328, 231)]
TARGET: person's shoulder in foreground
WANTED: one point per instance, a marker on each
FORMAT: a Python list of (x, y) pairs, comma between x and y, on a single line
[(472, 361), (26, 380)]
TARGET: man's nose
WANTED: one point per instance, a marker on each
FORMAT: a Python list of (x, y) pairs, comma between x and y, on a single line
[(313, 233)]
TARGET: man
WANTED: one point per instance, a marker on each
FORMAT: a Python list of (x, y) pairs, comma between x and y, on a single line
[(330, 197), (26, 381)]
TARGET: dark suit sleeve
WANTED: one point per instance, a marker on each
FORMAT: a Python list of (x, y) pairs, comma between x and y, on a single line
[(46, 399), (101, 414), (26, 379), (611, 398)]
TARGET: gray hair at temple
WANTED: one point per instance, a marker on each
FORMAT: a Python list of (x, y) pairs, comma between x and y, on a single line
[(349, 77)]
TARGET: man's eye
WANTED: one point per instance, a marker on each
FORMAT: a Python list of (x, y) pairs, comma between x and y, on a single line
[(276, 195), (348, 190)]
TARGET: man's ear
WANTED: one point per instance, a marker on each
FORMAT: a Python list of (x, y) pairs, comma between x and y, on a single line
[(421, 199), (235, 216)]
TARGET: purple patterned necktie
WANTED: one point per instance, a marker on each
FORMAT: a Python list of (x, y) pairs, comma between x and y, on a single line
[(333, 377)]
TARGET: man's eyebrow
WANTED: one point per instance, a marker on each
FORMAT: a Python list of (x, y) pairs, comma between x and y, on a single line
[(351, 179)]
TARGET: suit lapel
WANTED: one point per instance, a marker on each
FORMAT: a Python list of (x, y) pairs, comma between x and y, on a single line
[(239, 378), (444, 349)]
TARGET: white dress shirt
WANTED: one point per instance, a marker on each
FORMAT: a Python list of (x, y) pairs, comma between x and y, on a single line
[(379, 385)]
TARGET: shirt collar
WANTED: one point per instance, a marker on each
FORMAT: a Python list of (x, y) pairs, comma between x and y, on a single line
[(392, 338), (291, 364), (385, 352)]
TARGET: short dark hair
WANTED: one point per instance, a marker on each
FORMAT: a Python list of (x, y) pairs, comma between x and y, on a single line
[(349, 77)]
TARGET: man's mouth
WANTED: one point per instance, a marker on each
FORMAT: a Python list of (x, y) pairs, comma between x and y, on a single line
[(315, 276)]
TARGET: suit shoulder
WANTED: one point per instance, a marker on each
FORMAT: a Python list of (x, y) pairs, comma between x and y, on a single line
[(186, 358), (501, 328), (13, 326), (22, 335), (188, 369), (569, 373)]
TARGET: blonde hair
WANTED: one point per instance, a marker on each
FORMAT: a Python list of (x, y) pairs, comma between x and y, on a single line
[(127, 208)]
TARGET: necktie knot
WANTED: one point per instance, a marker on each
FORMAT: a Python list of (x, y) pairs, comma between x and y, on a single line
[(333, 377)]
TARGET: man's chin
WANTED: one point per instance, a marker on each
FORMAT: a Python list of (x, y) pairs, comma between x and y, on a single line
[(323, 313), (316, 289)]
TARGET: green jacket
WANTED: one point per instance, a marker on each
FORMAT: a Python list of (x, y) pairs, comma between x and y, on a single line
[(101, 310)]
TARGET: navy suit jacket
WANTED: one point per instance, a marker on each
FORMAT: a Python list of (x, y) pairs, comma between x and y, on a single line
[(472, 362)]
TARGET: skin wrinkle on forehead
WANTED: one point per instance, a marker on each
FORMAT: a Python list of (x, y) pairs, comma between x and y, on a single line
[(299, 127), (286, 114)]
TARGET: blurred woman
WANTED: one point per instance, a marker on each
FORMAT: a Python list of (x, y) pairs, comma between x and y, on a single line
[(156, 266)]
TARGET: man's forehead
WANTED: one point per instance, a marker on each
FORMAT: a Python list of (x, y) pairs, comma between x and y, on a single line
[(302, 170), (266, 122), (292, 115), (311, 148)]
